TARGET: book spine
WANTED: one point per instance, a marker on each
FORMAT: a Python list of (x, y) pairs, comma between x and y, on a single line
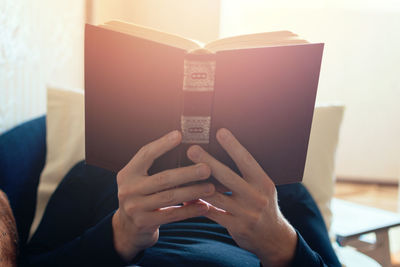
[(198, 96), (198, 93)]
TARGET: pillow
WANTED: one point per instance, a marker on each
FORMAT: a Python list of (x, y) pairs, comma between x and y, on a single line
[(65, 147), (319, 174), (65, 142)]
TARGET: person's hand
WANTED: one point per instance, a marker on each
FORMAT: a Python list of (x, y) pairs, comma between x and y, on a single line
[(251, 214), (146, 202)]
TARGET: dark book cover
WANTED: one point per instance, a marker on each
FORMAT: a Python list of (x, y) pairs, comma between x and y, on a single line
[(133, 95)]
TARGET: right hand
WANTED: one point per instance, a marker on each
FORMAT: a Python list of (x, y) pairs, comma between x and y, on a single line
[(146, 202)]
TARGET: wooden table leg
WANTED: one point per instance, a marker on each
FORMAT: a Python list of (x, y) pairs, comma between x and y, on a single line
[(379, 251)]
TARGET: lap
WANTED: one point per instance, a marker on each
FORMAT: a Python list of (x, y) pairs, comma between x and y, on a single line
[(87, 194)]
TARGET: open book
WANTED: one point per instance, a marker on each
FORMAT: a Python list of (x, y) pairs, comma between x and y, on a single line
[(235, 42), (141, 83)]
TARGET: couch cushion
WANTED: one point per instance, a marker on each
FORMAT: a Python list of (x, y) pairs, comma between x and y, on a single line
[(319, 174), (65, 141)]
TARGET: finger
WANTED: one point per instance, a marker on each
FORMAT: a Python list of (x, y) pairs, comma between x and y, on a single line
[(246, 163), (144, 158), (193, 202), (220, 216), (171, 214), (176, 196), (222, 173), (178, 213), (224, 202), (196, 201), (175, 177)]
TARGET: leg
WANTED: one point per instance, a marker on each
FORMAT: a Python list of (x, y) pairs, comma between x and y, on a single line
[(84, 197), (379, 250)]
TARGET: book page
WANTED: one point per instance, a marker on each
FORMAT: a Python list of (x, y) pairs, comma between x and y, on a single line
[(255, 40), (152, 35)]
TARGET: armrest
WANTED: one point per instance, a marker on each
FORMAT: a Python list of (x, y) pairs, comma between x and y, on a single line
[(22, 158), (8, 241)]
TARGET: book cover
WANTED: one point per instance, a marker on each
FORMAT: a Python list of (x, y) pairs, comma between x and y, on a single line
[(136, 90)]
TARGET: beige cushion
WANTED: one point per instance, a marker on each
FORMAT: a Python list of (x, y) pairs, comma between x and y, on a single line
[(65, 147), (319, 174), (65, 141)]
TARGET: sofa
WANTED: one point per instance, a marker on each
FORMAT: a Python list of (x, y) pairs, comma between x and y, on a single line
[(28, 152), (22, 158)]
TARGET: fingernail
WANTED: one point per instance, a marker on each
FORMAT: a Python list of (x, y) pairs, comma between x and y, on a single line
[(202, 170), (223, 133), (172, 136), (194, 152)]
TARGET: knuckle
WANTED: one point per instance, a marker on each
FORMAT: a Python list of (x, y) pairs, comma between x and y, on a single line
[(140, 223), (131, 209), (172, 215), (163, 180), (242, 232), (169, 197), (248, 159), (270, 187), (121, 196), (122, 193), (145, 152), (252, 220), (120, 177), (261, 203), (219, 199)]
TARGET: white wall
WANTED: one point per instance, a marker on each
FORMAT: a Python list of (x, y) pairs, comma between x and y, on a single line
[(361, 68), (41, 42), (194, 19)]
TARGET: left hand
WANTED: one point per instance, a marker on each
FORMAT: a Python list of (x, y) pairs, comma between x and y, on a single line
[(251, 214)]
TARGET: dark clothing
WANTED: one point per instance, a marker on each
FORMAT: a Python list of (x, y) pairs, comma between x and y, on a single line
[(76, 230)]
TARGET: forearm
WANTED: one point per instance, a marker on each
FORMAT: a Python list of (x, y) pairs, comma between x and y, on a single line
[(8, 233), (314, 246), (282, 250), (305, 256)]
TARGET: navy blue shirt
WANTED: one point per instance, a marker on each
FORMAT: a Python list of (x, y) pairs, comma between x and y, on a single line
[(76, 230)]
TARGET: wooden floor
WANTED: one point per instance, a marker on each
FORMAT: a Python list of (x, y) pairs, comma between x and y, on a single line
[(375, 195)]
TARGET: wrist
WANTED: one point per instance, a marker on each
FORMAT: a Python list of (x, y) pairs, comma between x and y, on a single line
[(283, 250), (122, 242)]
